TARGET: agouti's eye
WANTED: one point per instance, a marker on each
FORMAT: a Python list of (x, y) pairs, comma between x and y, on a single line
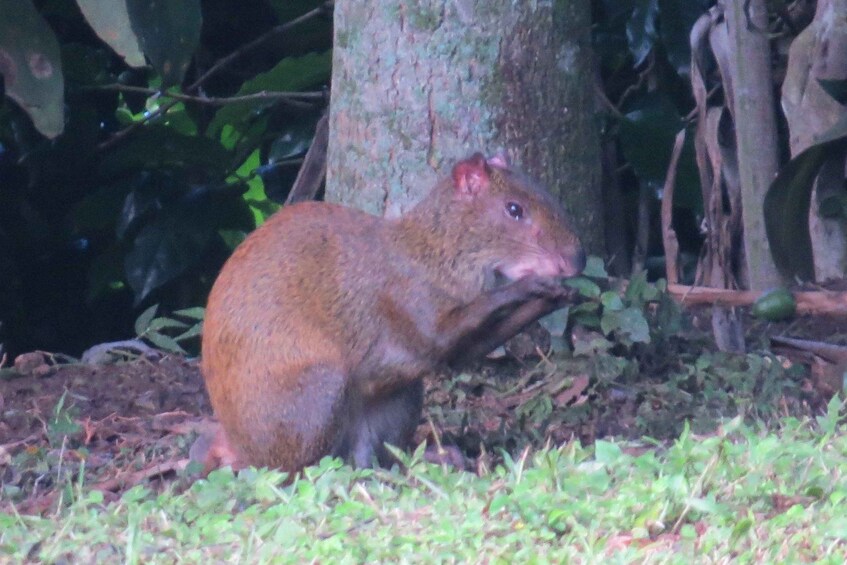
[(514, 210)]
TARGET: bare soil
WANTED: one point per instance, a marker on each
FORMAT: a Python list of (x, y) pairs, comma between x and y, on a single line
[(134, 422)]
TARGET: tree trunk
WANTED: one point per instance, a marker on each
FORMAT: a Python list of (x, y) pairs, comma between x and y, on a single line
[(419, 85), (755, 130)]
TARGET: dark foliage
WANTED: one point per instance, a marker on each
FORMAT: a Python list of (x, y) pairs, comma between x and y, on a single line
[(129, 207)]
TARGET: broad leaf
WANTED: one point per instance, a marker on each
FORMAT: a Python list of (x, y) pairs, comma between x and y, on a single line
[(156, 146), (31, 65), (195, 312), (647, 136), (168, 32), (676, 18), (292, 142), (98, 210), (163, 250), (255, 196), (629, 323), (595, 268), (110, 20), (143, 321), (609, 35), (786, 210), (175, 239), (83, 65), (584, 285), (787, 203), (289, 75), (165, 342)]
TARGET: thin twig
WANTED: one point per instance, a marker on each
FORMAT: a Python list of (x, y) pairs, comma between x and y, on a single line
[(604, 100), (690, 117), (642, 77), (669, 238), (258, 42), (288, 97), (162, 109), (313, 170)]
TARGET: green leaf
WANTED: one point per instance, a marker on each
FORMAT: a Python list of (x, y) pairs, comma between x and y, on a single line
[(164, 323), (609, 34), (829, 422), (586, 287), (31, 65), (594, 268), (232, 238), (607, 452), (195, 313), (98, 210), (156, 147), (163, 250), (637, 288), (647, 135), (179, 120), (193, 331), (110, 21), (164, 342), (173, 239), (168, 32), (499, 502), (787, 203), (611, 300), (704, 505), (84, 65), (293, 142), (289, 75), (629, 323), (677, 18), (255, 197), (555, 323), (143, 321)]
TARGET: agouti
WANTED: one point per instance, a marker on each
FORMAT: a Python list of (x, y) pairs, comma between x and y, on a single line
[(323, 323)]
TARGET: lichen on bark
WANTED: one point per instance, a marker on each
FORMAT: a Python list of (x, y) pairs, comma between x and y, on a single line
[(419, 85)]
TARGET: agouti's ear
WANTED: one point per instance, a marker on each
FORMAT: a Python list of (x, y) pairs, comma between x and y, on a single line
[(500, 160), (470, 177)]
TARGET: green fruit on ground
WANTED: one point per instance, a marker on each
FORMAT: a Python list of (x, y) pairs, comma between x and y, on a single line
[(775, 304)]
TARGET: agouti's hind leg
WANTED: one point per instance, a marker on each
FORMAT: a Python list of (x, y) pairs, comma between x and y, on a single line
[(389, 419)]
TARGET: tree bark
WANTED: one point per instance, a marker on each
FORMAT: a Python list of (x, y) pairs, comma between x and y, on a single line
[(755, 130), (418, 85)]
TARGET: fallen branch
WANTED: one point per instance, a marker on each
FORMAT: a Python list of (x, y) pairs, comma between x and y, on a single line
[(827, 351), (125, 480), (832, 303)]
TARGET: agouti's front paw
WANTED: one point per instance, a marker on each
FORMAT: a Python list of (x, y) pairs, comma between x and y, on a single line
[(542, 287)]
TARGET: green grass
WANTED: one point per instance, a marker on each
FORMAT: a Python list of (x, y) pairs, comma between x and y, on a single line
[(742, 495)]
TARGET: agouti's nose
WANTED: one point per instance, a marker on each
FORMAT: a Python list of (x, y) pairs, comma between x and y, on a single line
[(573, 262), (579, 260)]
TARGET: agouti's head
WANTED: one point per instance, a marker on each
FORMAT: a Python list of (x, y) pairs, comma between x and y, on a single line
[(524, 228)]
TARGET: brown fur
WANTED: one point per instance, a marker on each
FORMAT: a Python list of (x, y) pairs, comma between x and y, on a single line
[(323, 322)]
